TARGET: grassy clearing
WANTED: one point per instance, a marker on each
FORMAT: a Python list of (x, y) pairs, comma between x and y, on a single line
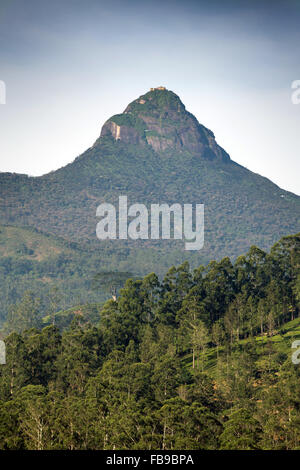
[(28, 243), (280, 342)]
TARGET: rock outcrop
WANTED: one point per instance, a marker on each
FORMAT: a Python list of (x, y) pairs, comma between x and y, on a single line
[(159, 119)]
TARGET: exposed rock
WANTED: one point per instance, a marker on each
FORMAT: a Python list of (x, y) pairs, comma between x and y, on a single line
[(125, 133), (160, 119)]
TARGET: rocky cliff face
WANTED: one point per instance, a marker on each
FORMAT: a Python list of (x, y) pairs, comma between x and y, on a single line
[(159, 119)]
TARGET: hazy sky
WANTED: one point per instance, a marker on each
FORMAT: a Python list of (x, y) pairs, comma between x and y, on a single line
[(69, 65)]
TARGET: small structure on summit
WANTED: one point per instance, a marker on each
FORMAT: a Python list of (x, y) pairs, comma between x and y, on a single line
[(158, 88)]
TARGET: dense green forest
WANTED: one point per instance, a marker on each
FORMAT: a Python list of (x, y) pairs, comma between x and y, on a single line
[(58, 271), (162, 154), (198, 360)]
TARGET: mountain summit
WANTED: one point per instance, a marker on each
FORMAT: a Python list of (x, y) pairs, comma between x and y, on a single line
[(160, 119), (153, 152)]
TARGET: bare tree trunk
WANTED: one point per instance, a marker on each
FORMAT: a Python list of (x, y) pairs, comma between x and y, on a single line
[(164, 436), (12, 381), (193, 358)]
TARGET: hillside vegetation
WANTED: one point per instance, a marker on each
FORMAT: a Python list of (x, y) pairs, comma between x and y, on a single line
[(60, 273), (199, 360), (154, 152)]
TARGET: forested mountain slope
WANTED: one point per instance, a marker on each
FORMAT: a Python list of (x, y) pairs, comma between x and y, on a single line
[(154, 152), (200, 360)]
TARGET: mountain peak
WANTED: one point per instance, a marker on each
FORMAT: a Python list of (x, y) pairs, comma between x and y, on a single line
[(157, 98), (159, 119)]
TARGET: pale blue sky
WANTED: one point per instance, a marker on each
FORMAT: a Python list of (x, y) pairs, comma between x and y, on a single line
[(71, 64)]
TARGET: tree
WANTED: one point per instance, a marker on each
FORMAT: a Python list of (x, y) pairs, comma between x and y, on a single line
[(241, 431), (23, 315), (200, 339)]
